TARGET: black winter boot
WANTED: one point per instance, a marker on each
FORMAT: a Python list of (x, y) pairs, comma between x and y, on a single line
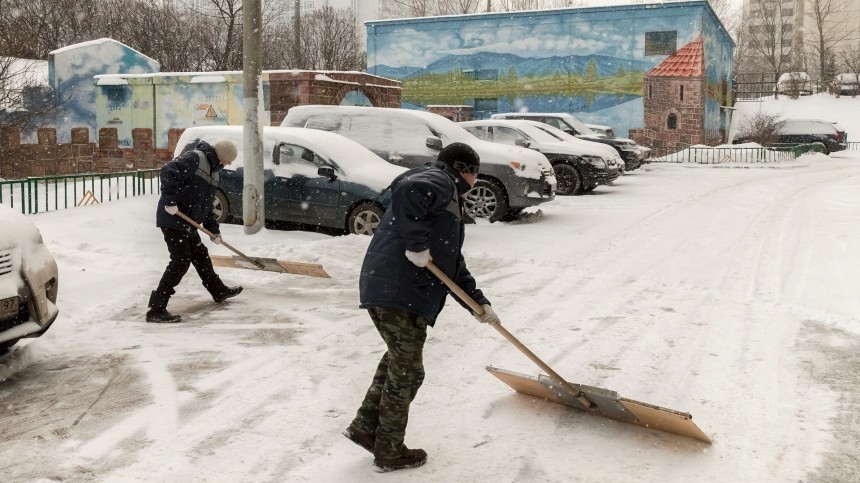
[(409, 458), (365, 440), (229, 292), (158, 310)]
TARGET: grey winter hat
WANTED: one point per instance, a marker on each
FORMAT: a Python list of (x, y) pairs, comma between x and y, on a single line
[(226, 151), (461, 157)]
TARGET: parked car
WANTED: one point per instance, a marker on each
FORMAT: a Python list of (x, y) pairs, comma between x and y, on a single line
[(846, 84), (28, 280), (601, 129), (578, 169), (633, 156), (794, 82), (606, 150), (512, 178), (309, 177), (801, 131)]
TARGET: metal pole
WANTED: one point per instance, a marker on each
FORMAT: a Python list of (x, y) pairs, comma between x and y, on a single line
[(252, 193)]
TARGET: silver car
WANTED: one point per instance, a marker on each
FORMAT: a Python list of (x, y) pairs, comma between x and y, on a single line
[(28, 280)]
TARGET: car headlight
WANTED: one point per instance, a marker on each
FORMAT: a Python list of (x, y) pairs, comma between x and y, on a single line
[(595, 161), (628, 147)]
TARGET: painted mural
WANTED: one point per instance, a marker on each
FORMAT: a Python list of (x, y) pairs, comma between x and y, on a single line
[(586, 61), (170, 100), (71, 70)]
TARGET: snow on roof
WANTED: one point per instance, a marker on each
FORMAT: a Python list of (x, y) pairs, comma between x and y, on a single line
[(101, 41), (592, 5)]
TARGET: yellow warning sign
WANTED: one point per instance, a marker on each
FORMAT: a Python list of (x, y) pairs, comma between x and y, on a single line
[(211, 112)]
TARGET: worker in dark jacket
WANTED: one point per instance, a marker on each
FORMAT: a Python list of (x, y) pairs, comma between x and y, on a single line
[(425, 222), (188, 184)]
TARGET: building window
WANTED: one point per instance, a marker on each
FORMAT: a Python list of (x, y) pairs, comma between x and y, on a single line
[(681, 92), (672, 121), (115, 94), (661, 43)]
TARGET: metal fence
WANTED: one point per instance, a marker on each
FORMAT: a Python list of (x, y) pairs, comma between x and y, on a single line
[(853, 145), (50, 193), (754, 86), (717, 155)]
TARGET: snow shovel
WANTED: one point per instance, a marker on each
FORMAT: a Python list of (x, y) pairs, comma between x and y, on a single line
[(593, 400), (256, 263)]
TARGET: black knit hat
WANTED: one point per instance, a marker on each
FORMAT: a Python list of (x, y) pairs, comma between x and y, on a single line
[(461, 157)]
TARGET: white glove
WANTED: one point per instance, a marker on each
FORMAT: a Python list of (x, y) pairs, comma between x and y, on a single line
[(489, 316), (420, 259), (172, 209), (216, 239)]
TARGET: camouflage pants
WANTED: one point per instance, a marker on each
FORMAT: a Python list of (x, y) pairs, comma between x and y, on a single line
[(385, 409)]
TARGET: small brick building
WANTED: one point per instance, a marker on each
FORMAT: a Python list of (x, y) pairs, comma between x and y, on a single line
[(674, 103)]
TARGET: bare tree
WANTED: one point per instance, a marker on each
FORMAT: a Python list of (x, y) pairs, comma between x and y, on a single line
[(826, 15), (329, 40), (25, 99), (767, 41)]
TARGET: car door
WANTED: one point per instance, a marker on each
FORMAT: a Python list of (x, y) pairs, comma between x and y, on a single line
[(298, 192)]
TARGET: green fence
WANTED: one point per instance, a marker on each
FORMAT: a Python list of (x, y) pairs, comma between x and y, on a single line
[(51, 193), (717, 155)]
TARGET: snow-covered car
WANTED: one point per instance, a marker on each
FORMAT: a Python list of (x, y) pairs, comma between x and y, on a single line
[(805, 131), (579, 166), (794, 83), (28, 280), (309, 177), (846, 84), (602, 129), (628, 149), (512, 178)]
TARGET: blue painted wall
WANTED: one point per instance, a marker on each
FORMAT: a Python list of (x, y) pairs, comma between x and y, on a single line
[(587, 61), (71, 70)]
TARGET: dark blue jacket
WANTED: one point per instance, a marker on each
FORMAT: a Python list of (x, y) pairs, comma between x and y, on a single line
[(425, 213), (190, 185)]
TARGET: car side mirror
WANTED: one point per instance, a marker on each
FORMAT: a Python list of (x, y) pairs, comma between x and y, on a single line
[(327, 172), (434, 143), (522, 142)]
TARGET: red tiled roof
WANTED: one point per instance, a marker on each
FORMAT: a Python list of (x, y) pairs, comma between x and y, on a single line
[(688, 61)]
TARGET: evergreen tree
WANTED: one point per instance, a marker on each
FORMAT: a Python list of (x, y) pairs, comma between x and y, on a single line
[(591, 70)]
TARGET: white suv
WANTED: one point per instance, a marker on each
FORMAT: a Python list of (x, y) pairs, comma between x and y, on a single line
[(28, 280)]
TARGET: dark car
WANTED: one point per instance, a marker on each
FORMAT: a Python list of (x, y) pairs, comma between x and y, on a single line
[(805, 131), (579, 166), (310, 177), (28, 280), (633, 154)]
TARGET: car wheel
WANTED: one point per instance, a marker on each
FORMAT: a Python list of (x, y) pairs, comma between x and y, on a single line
[(221, 207), (364, 219), (568, 178), (487, 200), (5, 346)]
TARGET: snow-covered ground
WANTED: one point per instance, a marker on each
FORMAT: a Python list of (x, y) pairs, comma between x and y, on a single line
[(726, 291)]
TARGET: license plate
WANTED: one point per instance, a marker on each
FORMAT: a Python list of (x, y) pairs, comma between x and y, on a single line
[(8, 307)]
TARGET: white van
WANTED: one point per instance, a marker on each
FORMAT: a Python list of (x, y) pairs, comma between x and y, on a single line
[(511, 178)]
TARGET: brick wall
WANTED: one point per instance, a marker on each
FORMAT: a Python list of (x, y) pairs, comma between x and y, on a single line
[(662, 98), (49, 158), (288, 89)]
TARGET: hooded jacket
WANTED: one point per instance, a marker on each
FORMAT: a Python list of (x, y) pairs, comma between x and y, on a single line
[(425, 213), (190, 184)]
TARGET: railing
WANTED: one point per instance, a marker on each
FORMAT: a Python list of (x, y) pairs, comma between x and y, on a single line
[(717, 155), (853, 145), (50, 193)]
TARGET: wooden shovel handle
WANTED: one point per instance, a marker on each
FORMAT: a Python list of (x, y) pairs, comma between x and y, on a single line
[(453, 287), (212, 236)]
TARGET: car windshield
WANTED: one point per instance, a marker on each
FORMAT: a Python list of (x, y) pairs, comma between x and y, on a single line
[(580, 127), (537, 134)]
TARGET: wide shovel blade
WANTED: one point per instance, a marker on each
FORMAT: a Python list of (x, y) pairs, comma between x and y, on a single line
[(606, 403), (270, 265), (255, 263), (593, 400)]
